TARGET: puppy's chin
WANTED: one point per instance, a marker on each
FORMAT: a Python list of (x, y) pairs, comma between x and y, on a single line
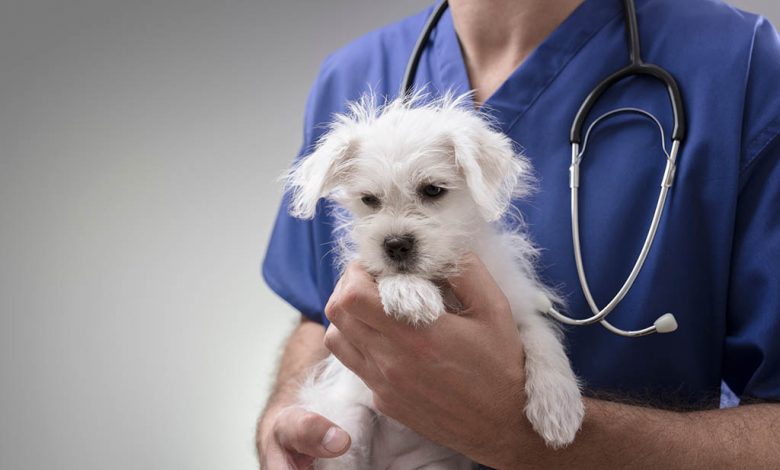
[(408, 268), (383, 268), (401, 268)]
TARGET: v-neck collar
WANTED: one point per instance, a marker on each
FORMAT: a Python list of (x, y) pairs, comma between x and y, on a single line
[(528, 81)]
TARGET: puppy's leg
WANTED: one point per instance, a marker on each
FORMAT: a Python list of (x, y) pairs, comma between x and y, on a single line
[(411, 298), (554, 404)]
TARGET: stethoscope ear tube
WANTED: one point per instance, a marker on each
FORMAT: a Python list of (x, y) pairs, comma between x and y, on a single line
[(414, 61), (635, 67), (675, 98)]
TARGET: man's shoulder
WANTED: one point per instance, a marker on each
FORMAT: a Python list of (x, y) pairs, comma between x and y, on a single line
[(705, 9), (729, 53), (714, 20), (711, 35)]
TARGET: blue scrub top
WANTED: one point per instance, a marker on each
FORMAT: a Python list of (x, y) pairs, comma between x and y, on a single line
[(715, 259)]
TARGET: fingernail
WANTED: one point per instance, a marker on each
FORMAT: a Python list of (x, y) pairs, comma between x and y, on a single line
[(335, 440)]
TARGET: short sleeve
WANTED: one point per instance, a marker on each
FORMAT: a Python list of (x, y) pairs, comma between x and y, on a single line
[(299, 263), (752, 349), (751, 365)]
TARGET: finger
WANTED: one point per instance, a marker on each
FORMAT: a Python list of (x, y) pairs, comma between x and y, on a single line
[(357, 297), (346, 352), (474, 285), (310, 434), (356, 332), (352, 289), (333, 296)]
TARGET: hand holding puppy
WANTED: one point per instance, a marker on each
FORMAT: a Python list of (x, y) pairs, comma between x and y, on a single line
[(459, 382)]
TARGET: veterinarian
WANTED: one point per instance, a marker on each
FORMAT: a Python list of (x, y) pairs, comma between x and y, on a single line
[(653, 401)]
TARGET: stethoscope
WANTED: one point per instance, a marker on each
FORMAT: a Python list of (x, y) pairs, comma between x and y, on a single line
[(666, 323)]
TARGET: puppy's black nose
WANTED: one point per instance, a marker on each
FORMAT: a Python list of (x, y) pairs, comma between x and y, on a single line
[(398, 248)]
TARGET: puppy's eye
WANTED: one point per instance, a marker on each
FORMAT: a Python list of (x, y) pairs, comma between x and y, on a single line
[(432, 191), (370, 200)]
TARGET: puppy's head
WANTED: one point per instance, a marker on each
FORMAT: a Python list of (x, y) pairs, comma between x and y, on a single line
[(420, 180)]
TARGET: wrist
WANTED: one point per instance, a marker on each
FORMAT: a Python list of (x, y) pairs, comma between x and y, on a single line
[(507, 446)]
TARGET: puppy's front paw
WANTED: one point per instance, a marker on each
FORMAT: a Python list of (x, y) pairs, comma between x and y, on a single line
[(412, 299), (554, 407)]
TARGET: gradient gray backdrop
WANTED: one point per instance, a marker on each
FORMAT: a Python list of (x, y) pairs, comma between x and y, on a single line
[(139, 143)]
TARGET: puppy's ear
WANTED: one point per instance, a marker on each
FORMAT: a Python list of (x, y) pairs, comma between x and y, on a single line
[(318, 174), (494, 172)]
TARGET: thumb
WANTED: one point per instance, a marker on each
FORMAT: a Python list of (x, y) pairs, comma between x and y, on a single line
[(474, 286), (310, 434)]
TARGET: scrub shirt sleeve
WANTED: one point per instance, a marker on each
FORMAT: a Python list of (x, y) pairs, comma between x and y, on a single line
[(751, 364), (299, 263)]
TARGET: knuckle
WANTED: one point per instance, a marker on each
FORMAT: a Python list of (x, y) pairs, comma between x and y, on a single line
[(284, 425), (350, 298), (331, 338), (306, 421), (305, 425), (331, 308), (283, 419)]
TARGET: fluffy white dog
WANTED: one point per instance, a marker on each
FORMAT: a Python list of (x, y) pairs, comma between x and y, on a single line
[(422, 185)]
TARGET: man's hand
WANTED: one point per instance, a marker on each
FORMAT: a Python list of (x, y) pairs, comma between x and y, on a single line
[(297, 437), (459, 382)]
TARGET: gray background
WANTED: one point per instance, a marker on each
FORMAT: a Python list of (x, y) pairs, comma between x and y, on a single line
[(139, 143)]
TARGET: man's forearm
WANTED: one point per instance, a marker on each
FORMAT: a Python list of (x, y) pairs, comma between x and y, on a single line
[(302, 350), (616, 435)]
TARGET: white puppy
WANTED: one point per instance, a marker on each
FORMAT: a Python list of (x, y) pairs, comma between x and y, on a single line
[(423, 184)]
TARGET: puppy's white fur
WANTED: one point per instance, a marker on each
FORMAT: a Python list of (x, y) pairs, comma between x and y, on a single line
[(375, 162)]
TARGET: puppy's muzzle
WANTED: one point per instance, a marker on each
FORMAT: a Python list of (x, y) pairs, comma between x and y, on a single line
[(399, 248)]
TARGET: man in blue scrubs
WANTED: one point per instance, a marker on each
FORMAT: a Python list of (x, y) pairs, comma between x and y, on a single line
[(713, 263)]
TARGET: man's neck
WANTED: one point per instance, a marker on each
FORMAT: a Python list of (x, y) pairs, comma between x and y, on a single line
[(496, 36)]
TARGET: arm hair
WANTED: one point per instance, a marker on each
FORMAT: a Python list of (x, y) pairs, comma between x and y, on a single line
[(302, 350)]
